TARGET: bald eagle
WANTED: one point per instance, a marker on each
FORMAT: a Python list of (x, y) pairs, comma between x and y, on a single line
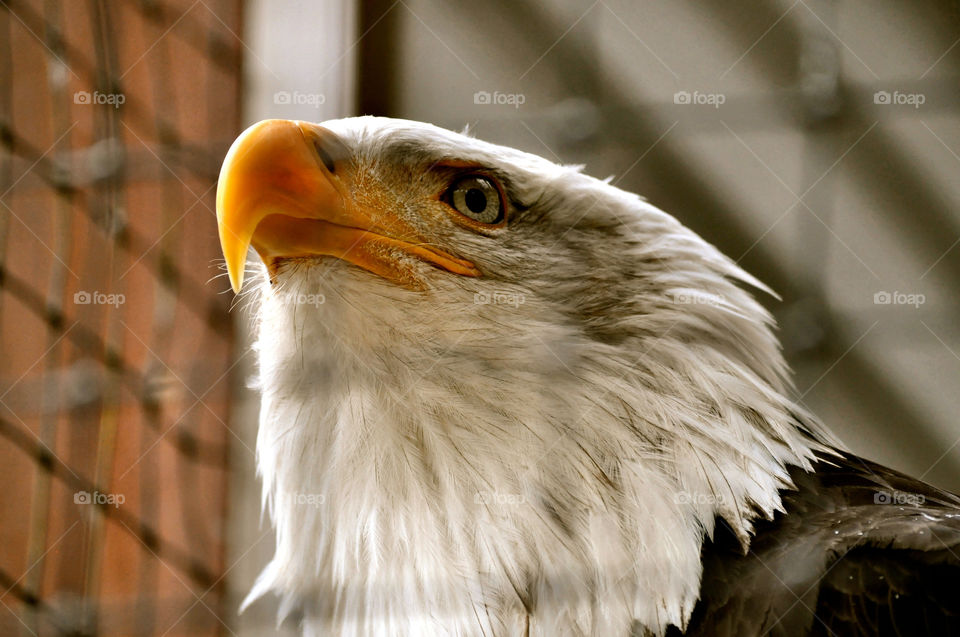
[(501, 397)]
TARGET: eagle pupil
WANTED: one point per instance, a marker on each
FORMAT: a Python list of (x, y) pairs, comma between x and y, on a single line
[(476, 200)]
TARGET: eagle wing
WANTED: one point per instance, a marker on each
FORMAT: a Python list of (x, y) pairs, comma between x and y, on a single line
[(859, 550)]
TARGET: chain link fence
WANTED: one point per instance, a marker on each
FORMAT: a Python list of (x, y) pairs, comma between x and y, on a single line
[(115, 348)]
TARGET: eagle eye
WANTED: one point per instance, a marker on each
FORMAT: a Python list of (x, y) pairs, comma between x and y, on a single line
[(477, 198)]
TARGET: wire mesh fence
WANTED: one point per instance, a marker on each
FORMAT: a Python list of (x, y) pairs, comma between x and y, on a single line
[(116, 352)]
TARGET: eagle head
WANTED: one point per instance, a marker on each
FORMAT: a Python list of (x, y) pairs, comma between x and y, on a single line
[(497, 393)]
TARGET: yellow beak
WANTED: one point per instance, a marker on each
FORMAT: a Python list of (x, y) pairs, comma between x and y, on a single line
[(280, 190)]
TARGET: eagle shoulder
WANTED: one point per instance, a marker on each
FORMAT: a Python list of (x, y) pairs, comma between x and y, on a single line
[(860, 549)]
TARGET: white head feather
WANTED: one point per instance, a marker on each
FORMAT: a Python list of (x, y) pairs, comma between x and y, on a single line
[(541, 449)]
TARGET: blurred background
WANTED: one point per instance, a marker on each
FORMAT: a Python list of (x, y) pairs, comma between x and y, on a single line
[(816, 142)]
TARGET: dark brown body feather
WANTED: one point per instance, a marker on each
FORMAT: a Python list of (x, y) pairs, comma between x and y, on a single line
[(861, 550)]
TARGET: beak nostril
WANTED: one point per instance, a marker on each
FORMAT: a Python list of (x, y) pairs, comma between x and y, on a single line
[(324, 154), (329, 148)]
